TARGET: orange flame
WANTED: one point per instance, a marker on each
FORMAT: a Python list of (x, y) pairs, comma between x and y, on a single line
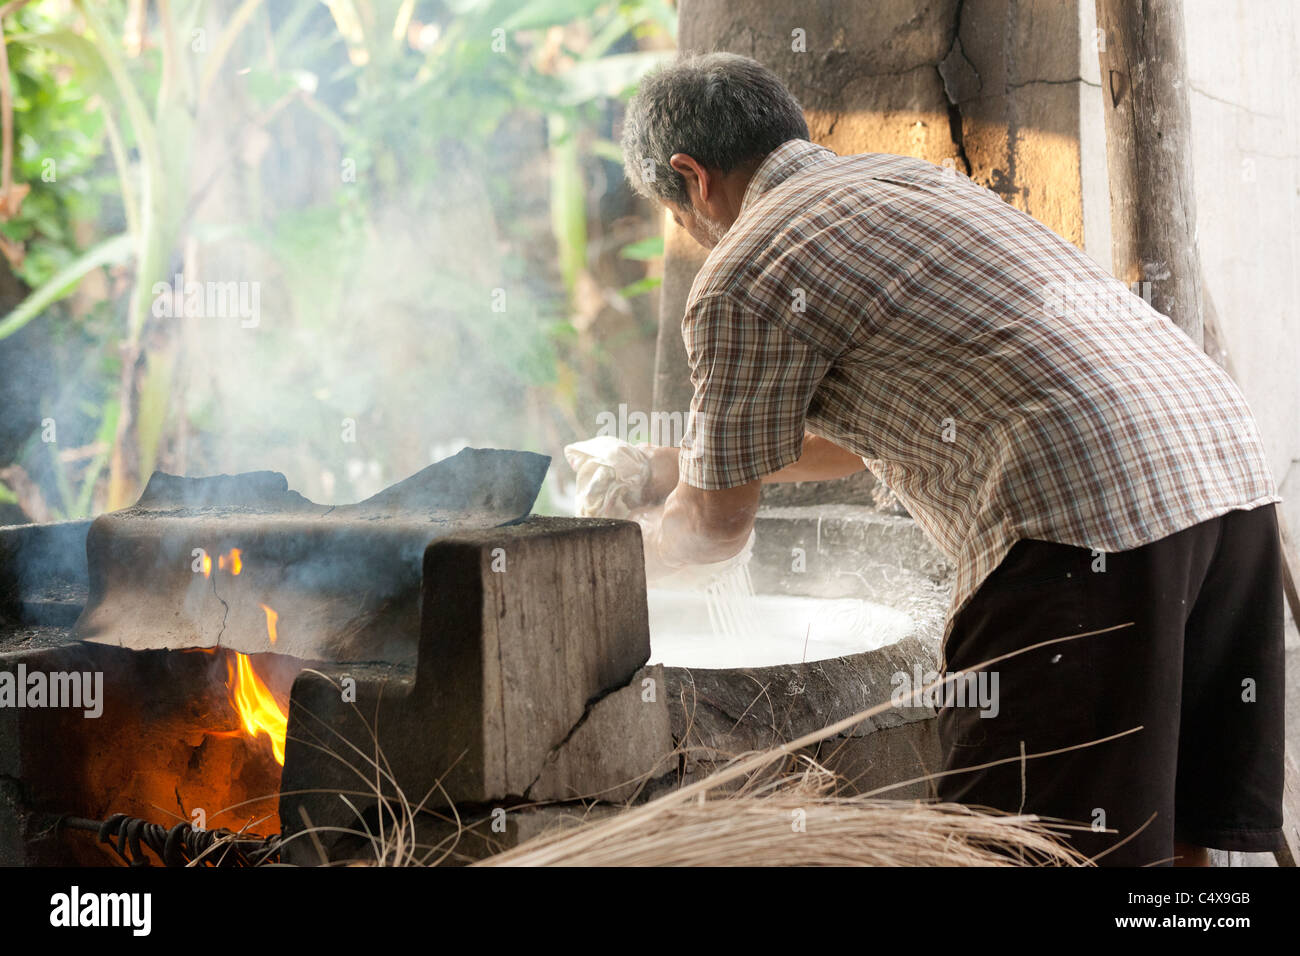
[(234, 561), (257, 707), (271, 619)]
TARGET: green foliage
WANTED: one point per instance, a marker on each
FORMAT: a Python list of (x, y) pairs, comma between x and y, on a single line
[(58, 139), (409, 106), (641, 286), (643, 249), (55, 287)]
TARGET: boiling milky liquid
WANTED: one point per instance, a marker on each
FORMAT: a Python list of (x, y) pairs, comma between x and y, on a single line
[(730, 600)]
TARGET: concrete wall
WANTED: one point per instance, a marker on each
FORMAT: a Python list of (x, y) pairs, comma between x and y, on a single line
[(1244, 71), (1243, 63)]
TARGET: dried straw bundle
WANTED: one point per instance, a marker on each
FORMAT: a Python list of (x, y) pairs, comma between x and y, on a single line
[(798, 819), (794, 821), (792, 829), (755, 826)]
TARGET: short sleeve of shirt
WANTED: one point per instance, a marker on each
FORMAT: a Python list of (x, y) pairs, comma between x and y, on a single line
[(754, 381)]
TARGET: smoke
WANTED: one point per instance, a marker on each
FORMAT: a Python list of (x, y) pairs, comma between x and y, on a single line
[(371, 357)]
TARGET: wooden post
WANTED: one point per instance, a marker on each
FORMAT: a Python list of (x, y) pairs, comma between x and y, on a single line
[(1148, 154)]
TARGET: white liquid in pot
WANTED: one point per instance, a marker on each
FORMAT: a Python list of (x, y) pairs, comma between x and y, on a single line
[(772, 629)]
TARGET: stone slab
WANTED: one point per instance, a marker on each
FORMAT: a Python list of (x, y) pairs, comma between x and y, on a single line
[(529, 670), (343, 583)]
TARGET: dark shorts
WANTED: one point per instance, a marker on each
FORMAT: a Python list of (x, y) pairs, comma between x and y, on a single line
[(1199, 672)]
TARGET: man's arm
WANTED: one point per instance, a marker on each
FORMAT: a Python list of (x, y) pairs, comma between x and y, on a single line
[(820, 460), (700, 527), (755, 375)]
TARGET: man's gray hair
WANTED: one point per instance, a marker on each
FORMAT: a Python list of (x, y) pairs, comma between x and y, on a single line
[(720, 109)]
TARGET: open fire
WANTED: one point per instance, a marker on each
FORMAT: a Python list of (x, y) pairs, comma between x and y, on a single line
[(253, 700), (203, 603), (258, 710)]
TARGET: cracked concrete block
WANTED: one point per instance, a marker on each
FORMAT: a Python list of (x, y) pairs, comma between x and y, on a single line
[(886, 36), (622, 742), (905, 114), (1024, 146), (960, 80), (1043, 42), (1010, 44), (1020, 132), (522, 628), (1047, 157), (981, 33)]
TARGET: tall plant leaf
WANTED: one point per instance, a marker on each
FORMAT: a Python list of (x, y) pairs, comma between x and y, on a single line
[(62, 283)]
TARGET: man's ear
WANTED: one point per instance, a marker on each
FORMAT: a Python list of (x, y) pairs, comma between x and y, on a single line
[(693, 173)]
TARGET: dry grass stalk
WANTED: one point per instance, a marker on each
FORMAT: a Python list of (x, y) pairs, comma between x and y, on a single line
[(795, 820), (799, 820), (779, 829), (587, 843)]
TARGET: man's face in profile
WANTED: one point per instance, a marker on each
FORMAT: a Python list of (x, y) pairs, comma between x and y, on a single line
[(707, 232)]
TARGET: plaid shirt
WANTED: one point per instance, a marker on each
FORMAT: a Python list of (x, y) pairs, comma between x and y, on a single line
[(995, 377)]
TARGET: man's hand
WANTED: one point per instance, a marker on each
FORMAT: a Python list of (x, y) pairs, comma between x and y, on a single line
[(651, 519), (612, 476), (691, 576), (682, 525), (663, 473), (703, 527)]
